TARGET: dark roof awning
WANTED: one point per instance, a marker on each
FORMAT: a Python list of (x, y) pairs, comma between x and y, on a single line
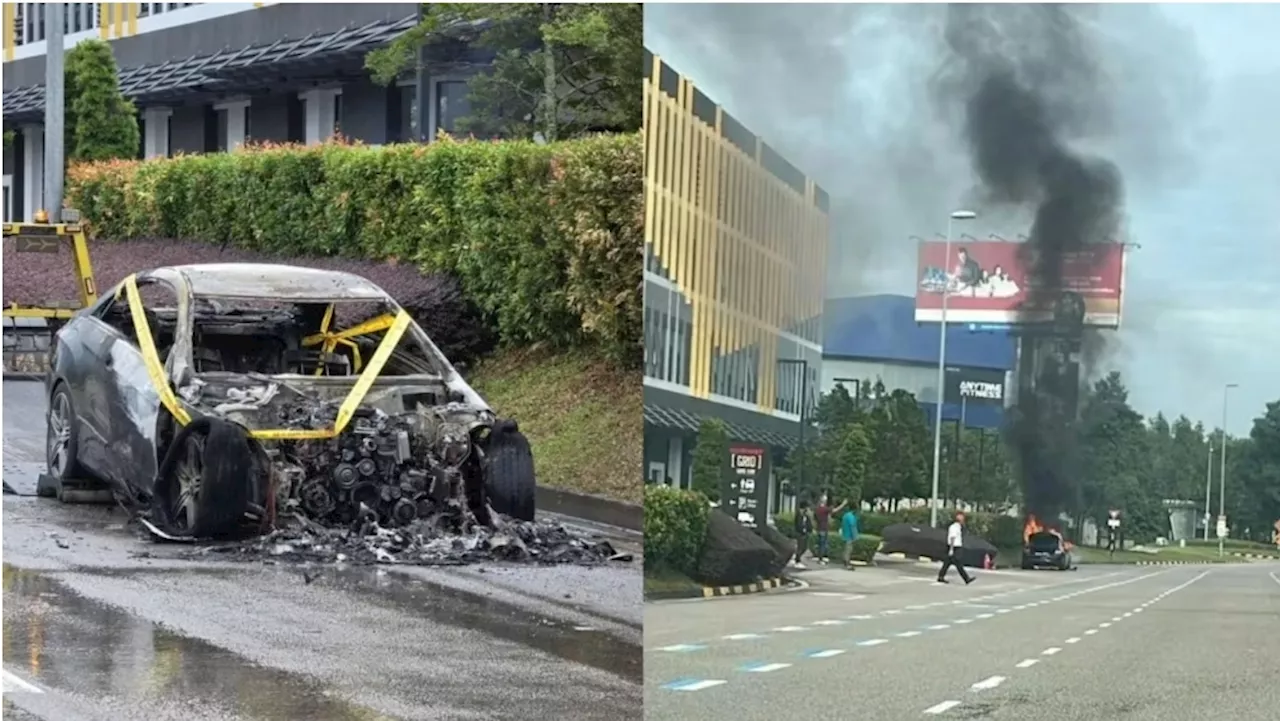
[(234, 70), (688, 421)]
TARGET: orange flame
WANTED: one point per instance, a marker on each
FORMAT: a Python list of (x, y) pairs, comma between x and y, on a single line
[(1033, 526)]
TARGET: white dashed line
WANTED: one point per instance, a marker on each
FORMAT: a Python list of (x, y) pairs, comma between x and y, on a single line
[(860, 617), (987, 683), (767, 668), (907, 634), (828, 653), (1104, 625), (940, 627), (1117, 619), (943, 707), (697, 685), (985, 615), (873, 642), (829, 622), (1090, 632), (1074, 639), (1002, 610), (742, 636), (681, 648), (963, 621), (1028, 662), (1050, 651)]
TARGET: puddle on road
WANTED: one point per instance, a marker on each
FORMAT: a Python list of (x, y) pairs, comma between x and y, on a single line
[(62, 640), (445, 606)]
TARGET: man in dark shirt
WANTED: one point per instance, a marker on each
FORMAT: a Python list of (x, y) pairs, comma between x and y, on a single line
[(803, 527), (968, 272)]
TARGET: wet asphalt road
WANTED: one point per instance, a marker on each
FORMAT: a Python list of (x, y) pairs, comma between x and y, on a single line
[(1179, 643), (101, 625)]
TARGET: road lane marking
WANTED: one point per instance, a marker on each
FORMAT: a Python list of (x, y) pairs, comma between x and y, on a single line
[(789, 629), (985, 615), (682, 648), (943, 707), (987, 683), (765, 667), (873, 642), (1028, 662), (1051, 651), (825, 653), (860, 617), (1090, 632), (1002, 610), (1105, 624), (14, 682), (693, 684), (829, 622), (907, 634), (1126, 614), (963, 621), (1274, 577), (743, 636), (1074, 639), (892, 612), (1117, 619), (940, 627)]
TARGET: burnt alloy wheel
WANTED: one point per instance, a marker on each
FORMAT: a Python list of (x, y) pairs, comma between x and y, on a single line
[(62, 435), (509, 478), (205, 481)]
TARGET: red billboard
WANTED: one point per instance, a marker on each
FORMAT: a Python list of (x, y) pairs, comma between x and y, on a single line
[(988, 284)]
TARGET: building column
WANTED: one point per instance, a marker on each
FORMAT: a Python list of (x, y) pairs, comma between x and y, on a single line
[(32, 170), (318, 105), (155, 143), (237, 121)]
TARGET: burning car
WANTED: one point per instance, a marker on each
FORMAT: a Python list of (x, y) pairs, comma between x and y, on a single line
[(212, 396), (1044, 548)]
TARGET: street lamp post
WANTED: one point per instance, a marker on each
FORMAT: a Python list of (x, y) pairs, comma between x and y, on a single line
[(1222, 474), (942, 364), (1208, 486), (804, 419)]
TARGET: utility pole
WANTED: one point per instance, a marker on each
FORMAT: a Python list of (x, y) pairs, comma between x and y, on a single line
[(54, 163), (1208, 490)]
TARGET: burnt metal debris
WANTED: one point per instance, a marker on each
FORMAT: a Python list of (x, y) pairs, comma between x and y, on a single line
[(444, 539)]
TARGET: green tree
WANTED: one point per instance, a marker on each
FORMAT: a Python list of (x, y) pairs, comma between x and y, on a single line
[(710, 458), (561, 69), (101, 124), (1117, 469), (900, 444), (849, 466)]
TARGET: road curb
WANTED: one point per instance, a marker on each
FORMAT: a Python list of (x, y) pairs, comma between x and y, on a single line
[(720, 591), (1255, 556), (1168, 563), (591, 508)]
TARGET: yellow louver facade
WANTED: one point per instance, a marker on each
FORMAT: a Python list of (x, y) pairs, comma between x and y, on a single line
[(736, 247)]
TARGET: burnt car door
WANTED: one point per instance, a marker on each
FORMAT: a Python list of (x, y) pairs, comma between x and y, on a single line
[(125, 405), (78, 363)]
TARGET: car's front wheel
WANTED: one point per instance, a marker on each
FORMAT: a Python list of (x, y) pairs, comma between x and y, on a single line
[(62, 436), (205, 481), (508, 474)]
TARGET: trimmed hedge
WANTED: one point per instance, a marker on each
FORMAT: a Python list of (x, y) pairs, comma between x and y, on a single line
[(547, 239), (675, 527)]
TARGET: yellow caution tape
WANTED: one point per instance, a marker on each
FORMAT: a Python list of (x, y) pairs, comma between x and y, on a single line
[(330, 341), (395, 326)]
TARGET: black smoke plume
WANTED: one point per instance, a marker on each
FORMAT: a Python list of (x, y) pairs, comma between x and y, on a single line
[(1029, 84)]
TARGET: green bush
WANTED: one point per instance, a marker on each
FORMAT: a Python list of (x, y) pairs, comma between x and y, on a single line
[(874, 523), (675, 527), (545, 238)]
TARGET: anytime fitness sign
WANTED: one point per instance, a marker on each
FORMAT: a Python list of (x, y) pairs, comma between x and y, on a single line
[(975, 386)]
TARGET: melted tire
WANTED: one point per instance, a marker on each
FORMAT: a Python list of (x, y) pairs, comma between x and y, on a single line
[(509, 478), (226, 482)]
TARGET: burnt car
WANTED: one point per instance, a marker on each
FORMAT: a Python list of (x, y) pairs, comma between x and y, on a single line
[(213, 396), (1046, 549)]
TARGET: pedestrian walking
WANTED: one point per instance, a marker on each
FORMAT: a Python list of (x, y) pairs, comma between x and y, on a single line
[(804, 527), (849, 532), (955, 542)]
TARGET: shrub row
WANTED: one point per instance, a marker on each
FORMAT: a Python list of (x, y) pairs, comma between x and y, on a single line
[(547, 239), (675, 528), (1003, 531)]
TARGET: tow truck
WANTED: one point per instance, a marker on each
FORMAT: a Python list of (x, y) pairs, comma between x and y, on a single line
[(29, 329)]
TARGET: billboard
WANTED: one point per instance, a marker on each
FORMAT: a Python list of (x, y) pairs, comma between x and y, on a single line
[(989, 285), (974, 386), (746, 492)]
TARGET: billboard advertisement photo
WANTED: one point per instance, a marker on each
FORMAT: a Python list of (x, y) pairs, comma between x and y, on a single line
[(987, 283)]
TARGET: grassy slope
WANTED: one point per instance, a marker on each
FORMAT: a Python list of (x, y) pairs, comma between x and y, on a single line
[(583, 416)]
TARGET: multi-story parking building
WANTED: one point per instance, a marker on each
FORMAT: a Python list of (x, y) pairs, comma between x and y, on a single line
[(735, 262), (207, 77)]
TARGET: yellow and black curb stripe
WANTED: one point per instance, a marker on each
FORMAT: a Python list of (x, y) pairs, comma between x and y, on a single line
[(757, 587), (1255, 556), (1173, 563)]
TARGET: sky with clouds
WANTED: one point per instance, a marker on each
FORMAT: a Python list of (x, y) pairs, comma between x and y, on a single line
[(1185, 103)]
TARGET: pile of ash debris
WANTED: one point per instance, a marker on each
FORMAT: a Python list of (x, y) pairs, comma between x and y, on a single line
[(445, 539)]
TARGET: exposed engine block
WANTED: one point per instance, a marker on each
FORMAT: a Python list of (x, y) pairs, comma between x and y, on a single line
[(398, 468)]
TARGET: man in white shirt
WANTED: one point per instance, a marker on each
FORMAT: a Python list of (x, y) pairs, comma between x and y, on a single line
[(955, 540)]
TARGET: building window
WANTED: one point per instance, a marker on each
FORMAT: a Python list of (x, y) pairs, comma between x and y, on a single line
[(451, 104), (8, 198), (408, 113)]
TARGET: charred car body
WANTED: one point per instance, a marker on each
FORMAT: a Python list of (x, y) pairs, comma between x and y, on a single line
[(232, 398), (1046, 549)]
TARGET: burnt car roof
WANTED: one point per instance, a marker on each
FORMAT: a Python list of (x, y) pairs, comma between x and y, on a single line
[(272, 280)]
